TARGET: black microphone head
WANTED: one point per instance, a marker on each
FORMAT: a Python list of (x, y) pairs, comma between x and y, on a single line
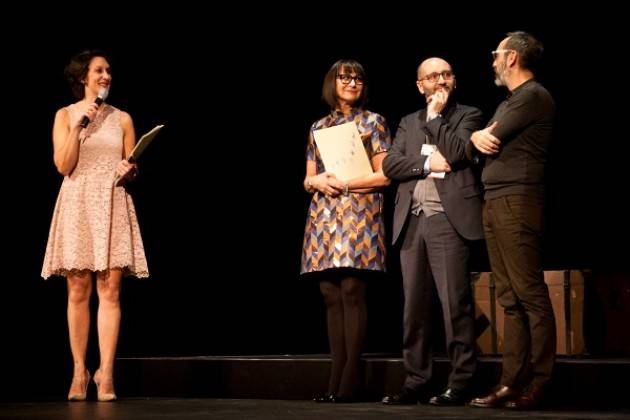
[(102, 95)]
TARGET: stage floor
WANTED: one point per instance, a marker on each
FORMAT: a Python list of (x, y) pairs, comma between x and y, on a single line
[(189, 409)]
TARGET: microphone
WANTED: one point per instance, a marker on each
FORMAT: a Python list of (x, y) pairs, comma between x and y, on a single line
[(102, 95)]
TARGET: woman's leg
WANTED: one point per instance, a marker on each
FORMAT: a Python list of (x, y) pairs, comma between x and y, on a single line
[(334, 320), (108, 288), (79, 292), (355, 323)]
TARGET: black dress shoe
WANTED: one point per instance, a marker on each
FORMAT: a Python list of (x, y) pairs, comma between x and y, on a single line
[(404, 397), (449, 397), (324, 398)]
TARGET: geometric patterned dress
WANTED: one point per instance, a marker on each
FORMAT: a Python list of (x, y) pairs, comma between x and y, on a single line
[(94, 225), (346, 231)]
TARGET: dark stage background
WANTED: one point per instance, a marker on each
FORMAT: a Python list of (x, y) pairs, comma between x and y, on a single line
[(220, 199)]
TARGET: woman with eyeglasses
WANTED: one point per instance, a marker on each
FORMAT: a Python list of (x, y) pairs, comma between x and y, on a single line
[(344, 239), (94, 230)]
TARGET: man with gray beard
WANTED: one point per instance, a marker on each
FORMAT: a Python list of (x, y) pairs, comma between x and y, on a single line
[(515, 146)]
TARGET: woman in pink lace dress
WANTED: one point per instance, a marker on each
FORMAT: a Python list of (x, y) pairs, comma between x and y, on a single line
[(94, 230)]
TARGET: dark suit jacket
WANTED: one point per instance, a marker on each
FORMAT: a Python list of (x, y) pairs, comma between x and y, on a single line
[(460, 191)]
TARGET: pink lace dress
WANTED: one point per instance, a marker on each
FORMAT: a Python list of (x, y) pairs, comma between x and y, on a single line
[(94, 225)]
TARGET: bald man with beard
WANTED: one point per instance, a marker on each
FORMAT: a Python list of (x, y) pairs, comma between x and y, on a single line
[(437, 216)]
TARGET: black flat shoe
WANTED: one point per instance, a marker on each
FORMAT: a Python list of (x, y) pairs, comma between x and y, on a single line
[(324, 398)]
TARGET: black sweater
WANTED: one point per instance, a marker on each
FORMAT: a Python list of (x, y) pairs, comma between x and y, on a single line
[(525, 128)]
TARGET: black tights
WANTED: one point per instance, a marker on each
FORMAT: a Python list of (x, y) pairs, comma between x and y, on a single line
[(346, 315)]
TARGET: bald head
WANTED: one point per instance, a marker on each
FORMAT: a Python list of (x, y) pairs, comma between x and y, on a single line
[(429, 64)]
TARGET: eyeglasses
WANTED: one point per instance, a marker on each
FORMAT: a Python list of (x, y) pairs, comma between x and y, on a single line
[(435, 76), (497, 52), (347, 78)]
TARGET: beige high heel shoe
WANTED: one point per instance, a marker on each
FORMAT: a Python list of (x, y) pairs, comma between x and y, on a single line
[(103, 396), (79, 396)]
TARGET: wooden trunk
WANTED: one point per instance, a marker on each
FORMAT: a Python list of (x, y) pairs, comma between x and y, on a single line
[(566, 290)]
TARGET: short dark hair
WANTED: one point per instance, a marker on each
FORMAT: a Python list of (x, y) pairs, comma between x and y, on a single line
[(529, 49), (77, 69), (329, 91)]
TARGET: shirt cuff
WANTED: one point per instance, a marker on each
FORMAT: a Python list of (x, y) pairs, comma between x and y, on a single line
[(427, 166)]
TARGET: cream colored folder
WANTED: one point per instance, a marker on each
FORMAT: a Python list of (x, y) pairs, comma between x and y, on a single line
[(342, 151), (142, 144)]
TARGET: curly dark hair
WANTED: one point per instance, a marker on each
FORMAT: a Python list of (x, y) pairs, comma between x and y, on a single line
[(77, 69)]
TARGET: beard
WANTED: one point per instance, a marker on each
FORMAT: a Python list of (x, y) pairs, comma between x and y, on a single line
[(446, 89), (499, 75)]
